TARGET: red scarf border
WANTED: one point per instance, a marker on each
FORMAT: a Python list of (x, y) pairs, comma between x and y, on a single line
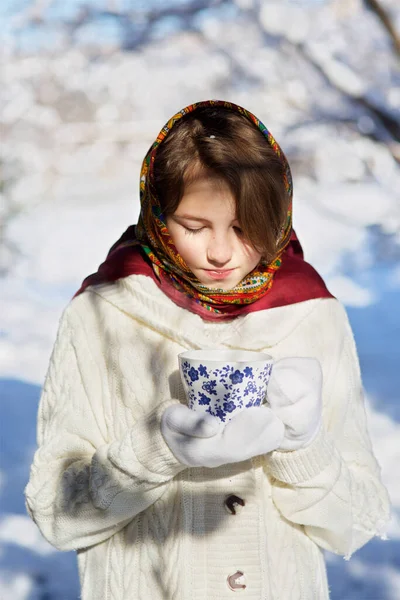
[(295, 281)]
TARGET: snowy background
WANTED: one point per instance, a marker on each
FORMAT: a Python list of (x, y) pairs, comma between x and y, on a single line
[(86, 86)]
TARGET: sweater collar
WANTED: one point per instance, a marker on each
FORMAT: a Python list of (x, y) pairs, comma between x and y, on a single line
[(140, 298)]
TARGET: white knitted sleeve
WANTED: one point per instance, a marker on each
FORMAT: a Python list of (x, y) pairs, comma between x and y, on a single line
[(333, 487), (82, 490)]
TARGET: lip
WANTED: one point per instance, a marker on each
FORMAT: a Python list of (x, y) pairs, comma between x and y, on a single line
[(219, 274)]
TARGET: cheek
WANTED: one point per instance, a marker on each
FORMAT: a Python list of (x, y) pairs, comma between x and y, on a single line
[(188, 248), (251, 255), (257, 256)]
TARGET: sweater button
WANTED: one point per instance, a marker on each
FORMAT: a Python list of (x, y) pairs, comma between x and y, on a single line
[(236, 581), (232, 502)]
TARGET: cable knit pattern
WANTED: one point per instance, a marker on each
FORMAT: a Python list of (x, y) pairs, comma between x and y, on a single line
[(104, 482)]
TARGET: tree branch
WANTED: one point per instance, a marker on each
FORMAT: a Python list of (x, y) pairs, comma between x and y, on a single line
[(376, 7), (343, 79)]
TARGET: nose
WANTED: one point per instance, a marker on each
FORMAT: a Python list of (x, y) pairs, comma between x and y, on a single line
[(219, 250)]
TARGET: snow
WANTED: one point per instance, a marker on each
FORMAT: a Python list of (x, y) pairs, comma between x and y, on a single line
[(20, 530), (19, 587)]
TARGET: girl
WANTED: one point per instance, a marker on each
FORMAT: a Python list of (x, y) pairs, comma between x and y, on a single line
[(158, 501)]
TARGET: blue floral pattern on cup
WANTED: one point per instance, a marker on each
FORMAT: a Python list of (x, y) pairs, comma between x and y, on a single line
[(225, 390)]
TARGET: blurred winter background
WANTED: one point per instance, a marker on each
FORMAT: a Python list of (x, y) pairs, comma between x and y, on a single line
[(86, 86)]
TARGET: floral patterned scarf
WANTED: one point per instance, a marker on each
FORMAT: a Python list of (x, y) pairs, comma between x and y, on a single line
[(149, 243)]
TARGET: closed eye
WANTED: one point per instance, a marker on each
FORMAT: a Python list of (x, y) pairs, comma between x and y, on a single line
[(193, 231)]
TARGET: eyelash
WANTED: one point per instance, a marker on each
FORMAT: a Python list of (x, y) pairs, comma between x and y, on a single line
[(194, 231)]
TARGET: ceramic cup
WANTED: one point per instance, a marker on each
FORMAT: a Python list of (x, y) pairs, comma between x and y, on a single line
[(224, 382)]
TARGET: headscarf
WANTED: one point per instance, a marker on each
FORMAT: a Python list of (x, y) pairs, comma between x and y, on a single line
[(149, 244)]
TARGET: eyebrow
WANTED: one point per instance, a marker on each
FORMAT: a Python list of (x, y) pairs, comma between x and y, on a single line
[(192, 218)]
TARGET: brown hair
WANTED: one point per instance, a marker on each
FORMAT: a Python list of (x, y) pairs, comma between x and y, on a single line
[(239, 155)]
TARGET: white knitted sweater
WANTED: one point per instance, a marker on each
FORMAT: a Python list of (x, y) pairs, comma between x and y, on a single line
[(105, 483)]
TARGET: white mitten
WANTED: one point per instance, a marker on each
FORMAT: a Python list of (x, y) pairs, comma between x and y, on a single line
[(200, 440), (295, 396)]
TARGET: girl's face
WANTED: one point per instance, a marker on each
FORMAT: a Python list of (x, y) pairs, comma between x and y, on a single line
[(207, 235)]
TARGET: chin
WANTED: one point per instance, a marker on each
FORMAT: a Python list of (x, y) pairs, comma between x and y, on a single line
[(221, 285), (215, 286)]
